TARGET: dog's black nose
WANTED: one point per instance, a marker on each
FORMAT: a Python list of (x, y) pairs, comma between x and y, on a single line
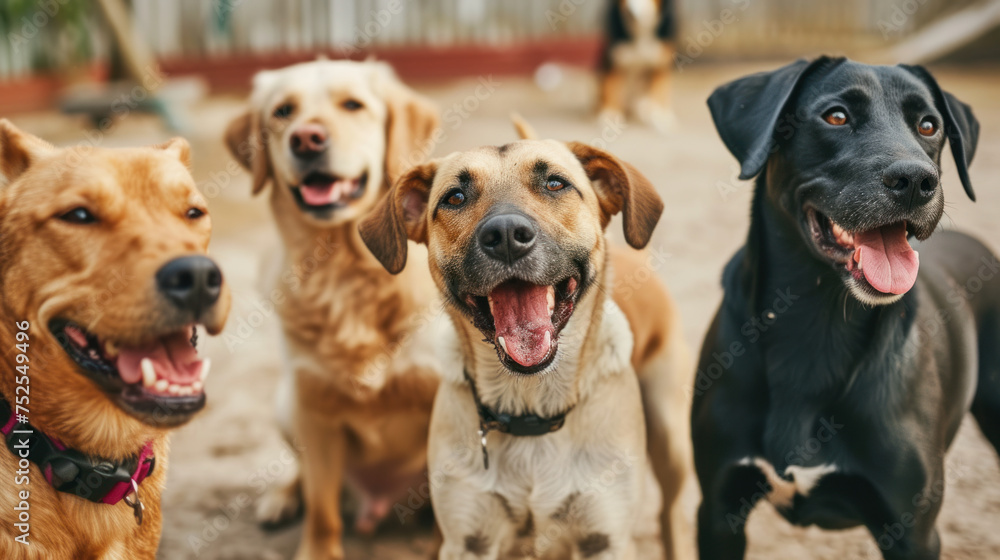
[(507, 237), (190, 283), (913, 182)]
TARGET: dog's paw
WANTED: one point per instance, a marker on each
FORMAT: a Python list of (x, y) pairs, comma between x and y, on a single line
[(610, 117), (657, 116), (280, 505)]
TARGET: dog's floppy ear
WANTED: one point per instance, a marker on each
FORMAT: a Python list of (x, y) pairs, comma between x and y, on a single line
[(747, 111), (18, 150), (960, 125), (246, 141), (410, 124), (621, 188), (400, 215)]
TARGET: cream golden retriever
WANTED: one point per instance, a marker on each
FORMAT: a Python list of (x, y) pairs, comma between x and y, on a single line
[(330, 137)]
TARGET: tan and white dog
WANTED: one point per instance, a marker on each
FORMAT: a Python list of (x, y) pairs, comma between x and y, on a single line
[(360, 377), (541, 449)]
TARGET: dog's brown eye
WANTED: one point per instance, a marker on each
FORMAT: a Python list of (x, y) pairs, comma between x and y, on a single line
[(554, 184), (284, 111), (194, 213), (927, 128), (836, 117), (352, 105), (455, 198), (78, 215)]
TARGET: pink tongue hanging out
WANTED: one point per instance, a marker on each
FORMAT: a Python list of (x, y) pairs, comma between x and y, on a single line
[(173, 357), (522, 316), (321, 193), (887, 260)]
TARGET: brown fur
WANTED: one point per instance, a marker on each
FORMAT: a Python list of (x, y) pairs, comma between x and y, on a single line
[(98, 276), (361, 400), (608, 187)]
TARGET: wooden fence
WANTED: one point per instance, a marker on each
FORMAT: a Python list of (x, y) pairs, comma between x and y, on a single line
[(42, 34)]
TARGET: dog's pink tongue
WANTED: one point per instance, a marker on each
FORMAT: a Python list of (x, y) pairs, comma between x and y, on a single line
[(887, 260), (173, 357), (522, 317), (331, 192)]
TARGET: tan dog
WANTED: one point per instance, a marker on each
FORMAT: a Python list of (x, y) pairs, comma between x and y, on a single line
[(360, 377), (103, 279), (559, 467)]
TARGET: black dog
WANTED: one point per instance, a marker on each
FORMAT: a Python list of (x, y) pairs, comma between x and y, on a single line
[(834, 375)]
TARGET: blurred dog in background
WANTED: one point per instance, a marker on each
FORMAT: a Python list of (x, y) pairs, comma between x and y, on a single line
[(636, 62), (361, 374)]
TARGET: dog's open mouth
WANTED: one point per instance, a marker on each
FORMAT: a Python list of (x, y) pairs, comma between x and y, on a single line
[(523, 320), (880, 258), (161, 381), (321, 191)]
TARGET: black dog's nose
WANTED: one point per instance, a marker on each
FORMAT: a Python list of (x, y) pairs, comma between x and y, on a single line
[(507, 237), (190, 283), (913, 182)]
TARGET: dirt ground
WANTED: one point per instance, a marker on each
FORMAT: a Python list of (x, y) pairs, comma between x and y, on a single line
[(223, 461)]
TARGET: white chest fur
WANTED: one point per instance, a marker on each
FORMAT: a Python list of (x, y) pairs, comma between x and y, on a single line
[(797, 480)]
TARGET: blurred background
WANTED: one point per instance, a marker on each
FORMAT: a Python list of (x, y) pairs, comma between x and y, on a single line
[(57, 44), (119, 73)]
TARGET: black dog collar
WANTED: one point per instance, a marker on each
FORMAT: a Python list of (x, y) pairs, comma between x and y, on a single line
[(68, 470), (521, 425)]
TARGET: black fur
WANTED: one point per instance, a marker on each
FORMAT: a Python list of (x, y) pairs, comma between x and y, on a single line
[(794, 368)]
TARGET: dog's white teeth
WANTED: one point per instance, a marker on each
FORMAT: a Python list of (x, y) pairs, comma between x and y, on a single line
[(548, 338), (93, 354), (174, 389), (148, 373), (197, 386), (205, 365), (550, 298), (110, 350), (161, 386), (503, 343)]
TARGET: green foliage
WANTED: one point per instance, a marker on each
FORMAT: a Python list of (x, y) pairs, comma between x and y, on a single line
[(50, 34)]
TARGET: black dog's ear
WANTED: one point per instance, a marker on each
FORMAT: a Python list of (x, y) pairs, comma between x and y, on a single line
[(747, 111), (960, 125)]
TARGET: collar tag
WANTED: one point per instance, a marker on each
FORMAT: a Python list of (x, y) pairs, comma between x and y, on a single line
[(483, 431), (135, 503)]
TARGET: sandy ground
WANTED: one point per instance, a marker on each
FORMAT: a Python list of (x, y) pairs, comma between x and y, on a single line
[(223, 461)]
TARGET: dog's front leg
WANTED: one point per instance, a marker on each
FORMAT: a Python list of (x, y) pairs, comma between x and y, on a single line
[(322, 466), (472, 524), (730, 495), (459, 550)]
